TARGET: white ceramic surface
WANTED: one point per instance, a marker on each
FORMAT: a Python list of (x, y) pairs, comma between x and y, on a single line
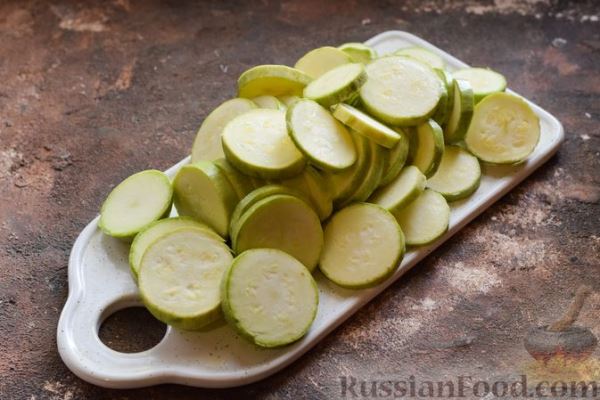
[(100, 284)]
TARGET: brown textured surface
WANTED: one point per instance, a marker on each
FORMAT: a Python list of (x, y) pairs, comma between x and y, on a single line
[(90, 94)]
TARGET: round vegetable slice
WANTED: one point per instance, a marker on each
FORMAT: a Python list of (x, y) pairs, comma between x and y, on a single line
[(240, 183), (281, 222), (143, 239), (269, 297), (425, 219), (363, 246), (288, 100), (257, 143), (180, 275), (442, 110), (318, 61), (407, 186), (320, 194), (400, 91), (458, 175), (483, 81), (430, 150), (135, 203), (373, 176), (366, 125), (207, 144), (336, 85), (267, 101), (274, 80), (202, 192), (423, 55), (504, 129), (395, 159), (358, 52), (462, 111), (319, 136)]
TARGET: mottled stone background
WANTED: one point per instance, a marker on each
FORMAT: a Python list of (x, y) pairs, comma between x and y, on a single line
[(90, 93)]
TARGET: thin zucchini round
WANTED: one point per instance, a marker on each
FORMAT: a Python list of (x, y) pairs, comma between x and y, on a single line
[(407, 186), (395, 159), (274, 80), (425, 219), (458, 175), (320, 194), (320, 137), (136, 203), (240, 183), (318, 61), (373, 176), (483, 81), (359, 52), (462, 111), (366, 125), (268, 101), (336, 85), (257, 143), (430, 150), (423, 55), (269, 297), (363, 246)]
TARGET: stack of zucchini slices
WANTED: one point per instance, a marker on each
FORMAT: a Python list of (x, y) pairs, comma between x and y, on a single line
[(337, 164)]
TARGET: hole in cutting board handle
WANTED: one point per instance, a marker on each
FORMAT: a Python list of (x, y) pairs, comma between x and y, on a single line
[(131, 330)]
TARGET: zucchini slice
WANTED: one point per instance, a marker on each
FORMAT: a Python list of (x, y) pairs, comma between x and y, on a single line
[(358, 52), (207, 144), (442, 110), (423, 55), (267, 101), (458, 175), (143, 239), (202, 191), (425, 219), (483, 81), (318, 61), (136, 203), (180, 275), (274, 80), (407, 186), (366, 125), (269, 297), (320, 194), (374, 174), (462, 111), (257, 143), (430, 150), (363, 246), (288, 100), (395, 159), (320, 137), (336, 85), (281, 222), (240, 183), (400, 90), (504, 129)]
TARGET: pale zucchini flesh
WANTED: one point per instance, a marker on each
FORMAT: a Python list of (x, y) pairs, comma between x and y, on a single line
[(363, 246), (407, 186), (395, 158), (135, 203), (319, 61), (281, 222), (202, 191), (504, 129), (258, 144), (423, 55), (358, 52), (320, 194), (458, 175), (400, 91), (240, 183), (366, 125), (269, 297), (207, 144), (180, 275), (319, 136), (268, 101), (425, 219), (373, 176), (428, 154), (462, 111), (336, 85), (484, 81), (274, 80)]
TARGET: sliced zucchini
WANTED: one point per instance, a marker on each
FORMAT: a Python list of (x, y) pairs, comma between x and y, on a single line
[(202, 191), (207, 144), (274, 80), (240, 183), (336, 85), (400, 90), (430, 150), (442, 110), (136, 203), (267, 101), (423, 55), (318, 61), (483, 81), (157, 229), (269, 297), (257, 143), (504, 129), (373, 176), (407, 186), (320, 194), (320, 137), (358, 52), (366, 125), (180, 275), (425, 219), (288, 100), (395, 159), (462, 111), (363, 246), (281, 222), (458, 175)]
